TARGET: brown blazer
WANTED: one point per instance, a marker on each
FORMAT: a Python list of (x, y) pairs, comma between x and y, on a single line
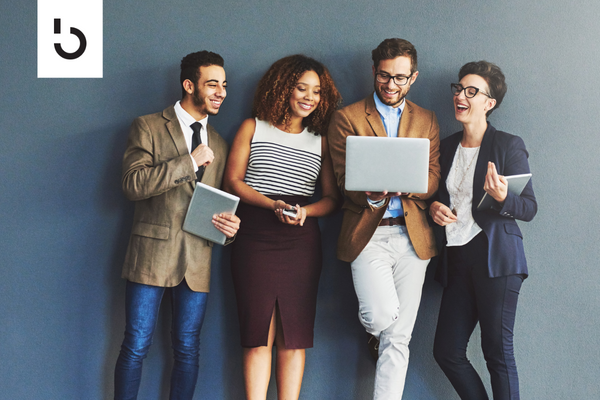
[(360, 218), (158, 174)]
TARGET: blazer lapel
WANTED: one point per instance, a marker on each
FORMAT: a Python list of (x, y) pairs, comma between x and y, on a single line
[(405, 120), (174, 128), (373, 117), (485, 152), (448, 156)]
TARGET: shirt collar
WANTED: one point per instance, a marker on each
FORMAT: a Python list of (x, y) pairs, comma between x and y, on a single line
[(186, 119), (386, 111)]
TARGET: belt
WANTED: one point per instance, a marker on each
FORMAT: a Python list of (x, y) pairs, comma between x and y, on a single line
[(392, 221)]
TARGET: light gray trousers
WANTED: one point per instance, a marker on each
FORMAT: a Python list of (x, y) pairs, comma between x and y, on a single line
[(388, 279)]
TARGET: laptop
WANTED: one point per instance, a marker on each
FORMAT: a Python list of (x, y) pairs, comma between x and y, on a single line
[(377, 164), (206, 202)]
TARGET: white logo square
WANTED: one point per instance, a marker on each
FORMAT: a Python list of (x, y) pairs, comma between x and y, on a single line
[(69, 39)]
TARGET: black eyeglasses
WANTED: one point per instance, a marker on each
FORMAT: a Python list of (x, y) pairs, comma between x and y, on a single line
[(470, 91), (398, 79)]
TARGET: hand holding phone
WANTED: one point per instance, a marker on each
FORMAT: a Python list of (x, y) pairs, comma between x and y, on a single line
[(291, 213), (292, 216)]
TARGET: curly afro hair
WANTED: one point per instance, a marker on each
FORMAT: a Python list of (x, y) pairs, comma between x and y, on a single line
[(271, 100)]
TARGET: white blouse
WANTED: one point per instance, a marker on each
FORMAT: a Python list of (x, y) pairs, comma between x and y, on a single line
[(460, 187)]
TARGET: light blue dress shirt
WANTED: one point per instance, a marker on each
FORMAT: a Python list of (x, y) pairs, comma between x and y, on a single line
[(391, 121)]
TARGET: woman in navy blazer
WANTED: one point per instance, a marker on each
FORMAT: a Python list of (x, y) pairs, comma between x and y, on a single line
[(481, 261)]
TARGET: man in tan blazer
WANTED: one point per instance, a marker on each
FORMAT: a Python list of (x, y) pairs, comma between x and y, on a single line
[(386, 236), (166, 153)]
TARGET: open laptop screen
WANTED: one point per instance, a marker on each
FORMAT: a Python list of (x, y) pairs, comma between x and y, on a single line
[(377, 164)]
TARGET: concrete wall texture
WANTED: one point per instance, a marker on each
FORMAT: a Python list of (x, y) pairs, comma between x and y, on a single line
[(65, 223)]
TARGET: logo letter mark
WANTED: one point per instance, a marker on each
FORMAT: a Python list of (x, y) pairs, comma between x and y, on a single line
[(73, 31)]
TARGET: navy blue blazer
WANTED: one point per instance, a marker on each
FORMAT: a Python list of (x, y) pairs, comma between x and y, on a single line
[(506, 255)]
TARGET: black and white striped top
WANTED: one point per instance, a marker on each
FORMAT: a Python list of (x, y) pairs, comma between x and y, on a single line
[(283, 163)]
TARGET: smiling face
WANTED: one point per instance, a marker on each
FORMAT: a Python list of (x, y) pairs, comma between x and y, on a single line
[(389, 93), (208, 93), (473, 110), (306, 95)]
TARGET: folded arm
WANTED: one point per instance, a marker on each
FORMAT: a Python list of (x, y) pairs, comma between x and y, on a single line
[(144, 175)]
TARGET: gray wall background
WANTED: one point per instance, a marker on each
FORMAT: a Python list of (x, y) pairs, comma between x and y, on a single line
[(65, 223)]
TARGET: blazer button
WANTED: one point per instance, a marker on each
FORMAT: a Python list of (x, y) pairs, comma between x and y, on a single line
[(406, 213)]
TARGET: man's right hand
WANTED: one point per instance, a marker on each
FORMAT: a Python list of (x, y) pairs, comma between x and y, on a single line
[(203, 155), (227, 223)]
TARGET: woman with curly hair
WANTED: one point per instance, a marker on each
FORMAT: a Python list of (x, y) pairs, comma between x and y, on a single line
[(274, 164)]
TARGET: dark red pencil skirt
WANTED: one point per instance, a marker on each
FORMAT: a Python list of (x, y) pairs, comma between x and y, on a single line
[(271, 263)]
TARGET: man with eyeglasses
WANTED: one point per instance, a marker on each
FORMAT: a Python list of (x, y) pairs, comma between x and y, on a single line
[(386, 236)]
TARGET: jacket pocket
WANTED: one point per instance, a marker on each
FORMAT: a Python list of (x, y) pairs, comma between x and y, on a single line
[(513, 229), (150, 230)]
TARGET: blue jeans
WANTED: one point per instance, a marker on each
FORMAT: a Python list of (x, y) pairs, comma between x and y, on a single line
[(142, 303)]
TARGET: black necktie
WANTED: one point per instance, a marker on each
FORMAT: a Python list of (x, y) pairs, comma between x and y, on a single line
[(197, 141)]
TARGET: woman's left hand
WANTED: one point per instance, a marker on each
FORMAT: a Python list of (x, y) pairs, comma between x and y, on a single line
[(495, 185), (286, 219)]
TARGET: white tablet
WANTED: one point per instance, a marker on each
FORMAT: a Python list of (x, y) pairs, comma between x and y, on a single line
[(206, 202), (377, 164), (516, 184)]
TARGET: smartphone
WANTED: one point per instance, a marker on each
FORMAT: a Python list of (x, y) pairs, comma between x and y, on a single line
[(291, 213)]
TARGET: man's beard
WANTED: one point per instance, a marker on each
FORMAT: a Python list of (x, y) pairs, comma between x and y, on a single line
[(387, 102), (201, 104)]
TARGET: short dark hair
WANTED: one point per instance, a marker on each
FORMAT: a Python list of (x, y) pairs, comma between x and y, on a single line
[(493, 76), (190, 66), (392, 48), (272, 96)]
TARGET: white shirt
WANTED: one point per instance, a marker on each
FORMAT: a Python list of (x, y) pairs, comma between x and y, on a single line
[(185, 121), (460, 188)]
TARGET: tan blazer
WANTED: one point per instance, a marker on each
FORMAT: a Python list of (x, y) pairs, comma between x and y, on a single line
[(360, 219), (158, 174)]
